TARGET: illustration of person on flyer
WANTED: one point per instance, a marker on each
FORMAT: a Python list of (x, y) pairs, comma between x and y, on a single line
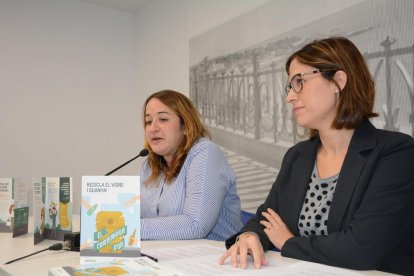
[(42, 219), (10, 220), (52, 215)]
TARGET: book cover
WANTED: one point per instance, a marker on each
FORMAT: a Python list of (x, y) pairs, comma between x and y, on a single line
[(110, 217), (52, 207)]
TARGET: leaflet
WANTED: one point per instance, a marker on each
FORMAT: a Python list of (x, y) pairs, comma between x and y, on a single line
[(52, 208), (110, 217), (14, 209), (118, 266)]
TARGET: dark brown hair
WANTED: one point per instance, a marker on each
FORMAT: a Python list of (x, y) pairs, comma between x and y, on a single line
[(195, 129), (356, 99)]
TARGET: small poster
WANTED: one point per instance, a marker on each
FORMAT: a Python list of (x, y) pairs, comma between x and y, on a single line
[(14, 209), (52, 208), (118, 266), (6, 205), (110, 218)]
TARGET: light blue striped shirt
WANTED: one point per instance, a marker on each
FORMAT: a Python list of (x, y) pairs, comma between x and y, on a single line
[(201, 202)]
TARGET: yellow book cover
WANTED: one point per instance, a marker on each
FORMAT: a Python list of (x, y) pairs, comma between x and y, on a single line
[(110, 217)]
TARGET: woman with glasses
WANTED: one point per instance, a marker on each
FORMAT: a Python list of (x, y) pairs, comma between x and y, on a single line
[(345, 197)]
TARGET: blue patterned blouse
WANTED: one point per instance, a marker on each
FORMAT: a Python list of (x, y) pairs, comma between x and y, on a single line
[(201, 202)]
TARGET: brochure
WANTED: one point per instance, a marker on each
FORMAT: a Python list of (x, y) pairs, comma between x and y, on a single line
[(52, 208), (110, 218), (117, 266), (14, 209)]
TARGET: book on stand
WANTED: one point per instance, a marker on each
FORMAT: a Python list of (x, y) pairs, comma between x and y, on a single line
[(110, 241)]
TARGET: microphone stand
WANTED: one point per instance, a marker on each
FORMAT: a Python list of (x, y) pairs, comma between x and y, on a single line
[(143, 152), (55, 247)]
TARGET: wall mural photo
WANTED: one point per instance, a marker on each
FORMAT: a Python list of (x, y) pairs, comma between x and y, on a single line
[(238, 86)]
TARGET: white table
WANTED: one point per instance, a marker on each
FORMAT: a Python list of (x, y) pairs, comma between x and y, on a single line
[(39, 264)]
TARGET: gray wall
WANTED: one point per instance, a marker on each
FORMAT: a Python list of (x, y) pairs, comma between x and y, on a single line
[(73, 77)]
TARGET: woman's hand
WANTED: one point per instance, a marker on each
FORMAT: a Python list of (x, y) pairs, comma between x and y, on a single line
[(275, 229), (248, 243)]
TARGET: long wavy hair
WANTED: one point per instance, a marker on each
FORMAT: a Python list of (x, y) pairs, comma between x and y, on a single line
[(356, 99), (195, 129)]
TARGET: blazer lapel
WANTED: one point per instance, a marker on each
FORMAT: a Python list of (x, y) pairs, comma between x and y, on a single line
[(354, 163), (301, 173), (347, 181)]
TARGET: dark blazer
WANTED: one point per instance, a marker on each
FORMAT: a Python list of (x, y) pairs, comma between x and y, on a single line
[(371, 219)]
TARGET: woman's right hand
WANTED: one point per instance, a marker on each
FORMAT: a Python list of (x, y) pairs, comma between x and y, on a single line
[(248, 243)]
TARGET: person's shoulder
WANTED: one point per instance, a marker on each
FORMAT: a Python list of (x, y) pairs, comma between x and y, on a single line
[(394, 141), (206, 149), (393, 137), (203, 144), (301, 149), (302, 146), (389, 134)]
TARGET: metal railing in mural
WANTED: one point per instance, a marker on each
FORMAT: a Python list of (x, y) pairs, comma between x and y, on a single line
[(394, 85), (244, 92)]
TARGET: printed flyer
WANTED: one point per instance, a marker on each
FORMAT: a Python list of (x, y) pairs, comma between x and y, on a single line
[(52, 208), (6, 205), (14, 209), (110, 218), (118, 266)]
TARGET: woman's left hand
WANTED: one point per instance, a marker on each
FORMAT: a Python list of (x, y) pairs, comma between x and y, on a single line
[(275, 229)]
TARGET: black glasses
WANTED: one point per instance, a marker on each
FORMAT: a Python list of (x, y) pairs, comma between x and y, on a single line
[(296, 84)]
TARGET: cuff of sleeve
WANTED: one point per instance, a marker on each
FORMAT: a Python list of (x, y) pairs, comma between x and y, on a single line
[(235, 238), (247, 232)]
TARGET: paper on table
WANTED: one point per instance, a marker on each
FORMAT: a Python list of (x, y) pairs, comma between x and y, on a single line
[(184, 252), (202, 260)]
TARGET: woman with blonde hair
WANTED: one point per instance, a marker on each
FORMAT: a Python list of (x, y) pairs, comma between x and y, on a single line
[(188, 190)]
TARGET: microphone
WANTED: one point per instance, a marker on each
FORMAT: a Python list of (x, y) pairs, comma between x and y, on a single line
[(142, 153)]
